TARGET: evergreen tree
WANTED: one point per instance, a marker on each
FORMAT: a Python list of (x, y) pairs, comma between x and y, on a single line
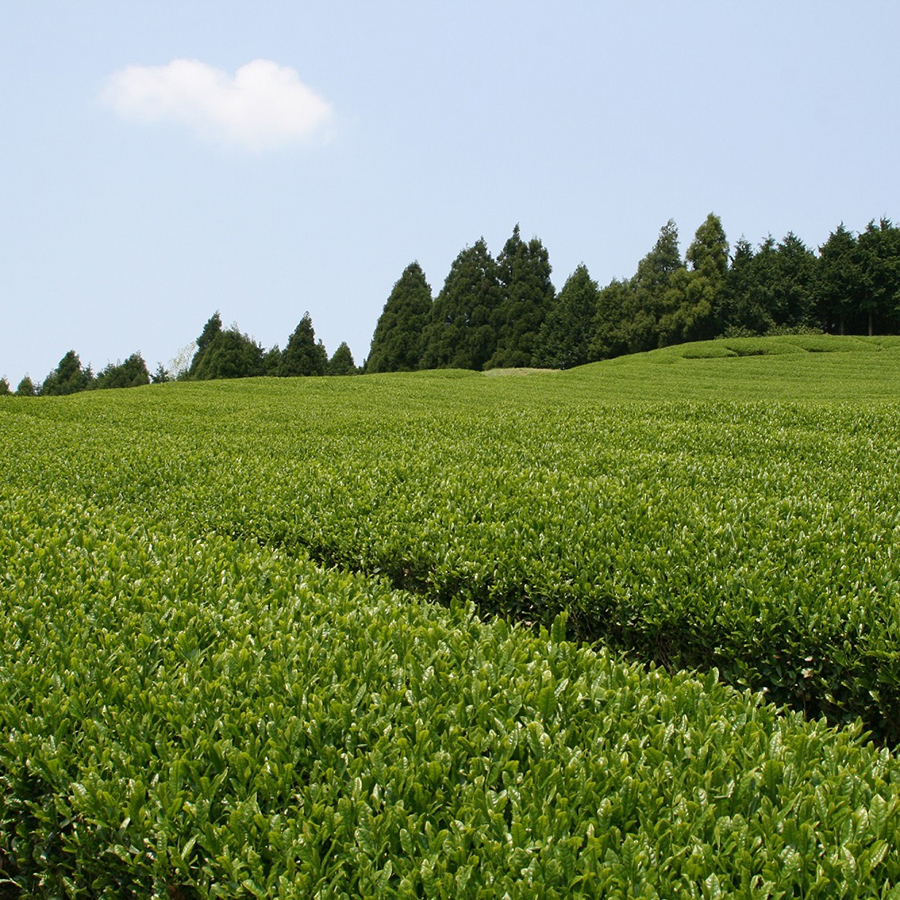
[(342, 361), (272, 361), (229, 354), (461, 331), (567, 331), (793, 296), (879, 266), (303, 355), (694, 294), (652, 297), (211, 330), (161, 375), (26, 388), (527, 299), (609, 336), (397, 344), (4, 388), (839, 282), (68, 377), (741, 310), (131, 373)]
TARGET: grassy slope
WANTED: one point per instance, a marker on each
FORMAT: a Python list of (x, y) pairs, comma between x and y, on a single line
[(150, 485)]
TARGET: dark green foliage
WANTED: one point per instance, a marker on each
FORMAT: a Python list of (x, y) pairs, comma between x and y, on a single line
[(272, 361), (565, 339), (609, 335), (211, 330), (461, 333), (794, 283), (629, 313), (839, 282), (742, 309), (303, 355), (26, 388), (4, 388), (161, 375), (527, 298), (397, 344), (229, 354), (879, 268), (341, 363), (131, 373), (67, 378)]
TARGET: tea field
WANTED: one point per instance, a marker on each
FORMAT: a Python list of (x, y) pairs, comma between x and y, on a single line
[(444, 634)]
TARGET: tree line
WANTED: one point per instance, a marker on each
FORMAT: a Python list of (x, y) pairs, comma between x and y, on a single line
[(505, 312), (217, 353)]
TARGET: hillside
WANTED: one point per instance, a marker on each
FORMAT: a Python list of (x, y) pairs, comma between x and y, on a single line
[(226, 678)]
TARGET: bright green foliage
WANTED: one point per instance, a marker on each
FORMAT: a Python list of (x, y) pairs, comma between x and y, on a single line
[(462, 333), (527, 298), (568, 329), (397, 344), (303, 355), (190, 707)]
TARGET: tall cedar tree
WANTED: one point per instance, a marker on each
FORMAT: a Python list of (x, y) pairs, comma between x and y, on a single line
[(793, 297), (879, 264), (629, 313), (838, 282), (740, 312), (341, 363), (4, 388), (694, 294), (303, 355), (211, 329), (527, 299), (461, 331), (567, 331), (397, 344)]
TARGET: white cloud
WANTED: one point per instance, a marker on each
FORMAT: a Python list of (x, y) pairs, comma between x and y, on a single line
[(263, 106)]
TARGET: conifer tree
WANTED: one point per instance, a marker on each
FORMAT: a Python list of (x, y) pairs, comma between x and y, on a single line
[(4, 387), (26, 388), (68, 377), (461, 331), (211, 329), (694, 294), (303, 355), (566, 334), (527, 298), (397, 344), (839, 283), (341, 363), (230, 354), (131, 373)]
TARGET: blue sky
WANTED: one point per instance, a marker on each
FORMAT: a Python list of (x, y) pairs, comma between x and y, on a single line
[(160, 161)]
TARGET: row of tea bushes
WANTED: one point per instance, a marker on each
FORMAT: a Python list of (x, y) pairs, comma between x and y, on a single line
[(192, 717), (758, 537)]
